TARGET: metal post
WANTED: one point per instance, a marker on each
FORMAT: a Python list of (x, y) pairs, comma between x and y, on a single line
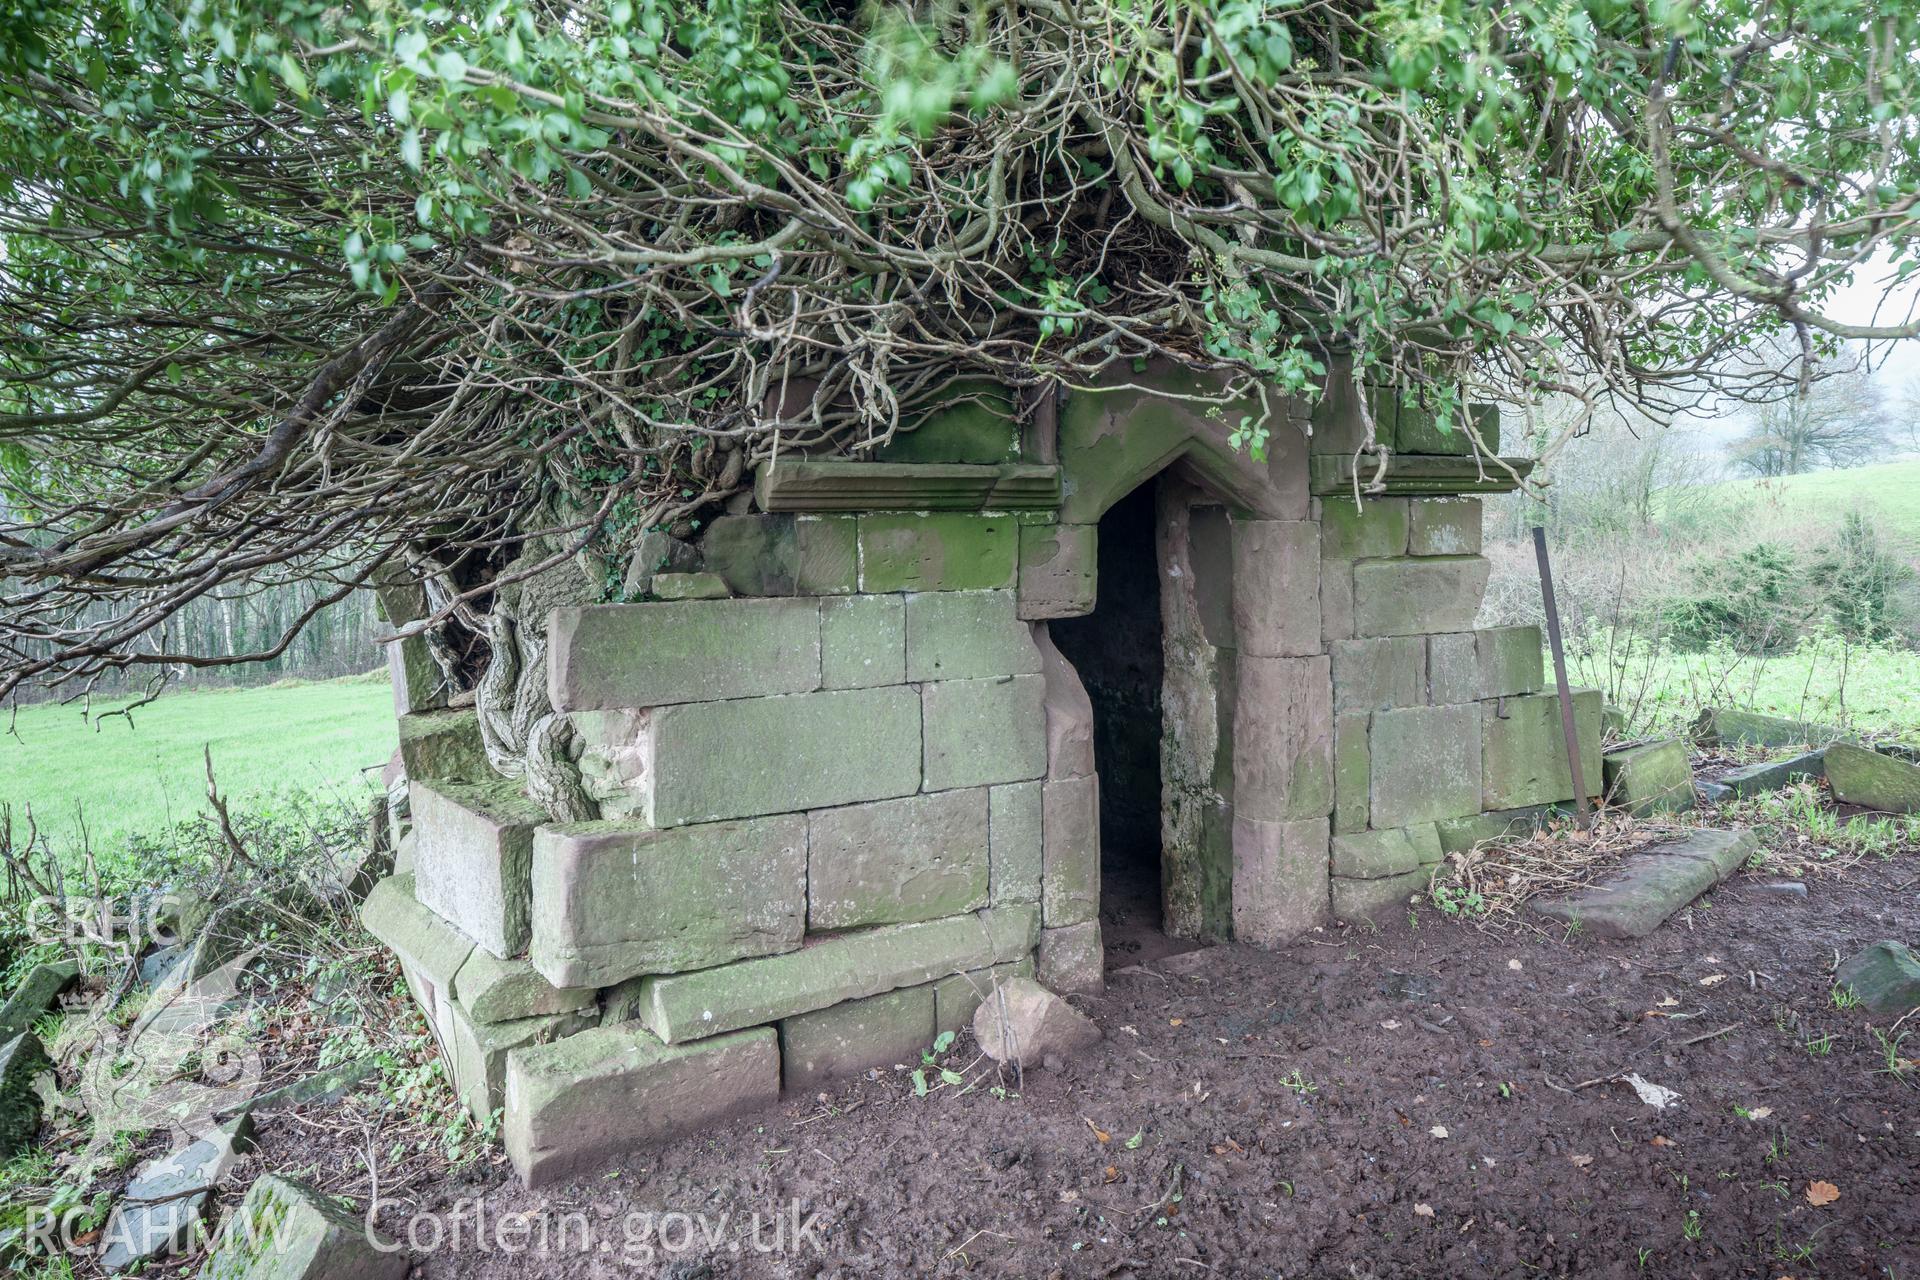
[(1567, 729)]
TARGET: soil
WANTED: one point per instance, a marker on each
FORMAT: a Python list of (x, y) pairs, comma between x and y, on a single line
[(1428, 1099)]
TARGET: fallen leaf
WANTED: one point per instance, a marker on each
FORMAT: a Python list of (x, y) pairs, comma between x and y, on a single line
[(1656, 1096), (1175, 1022), (1133, 1143), (1486, 1044), (1438, 1131), (1659, 1141), (1423, 1211), (1113, 1173), (1581, 1162), (1822, 1193), (1713, 979), (1098, 1132), (1513, 964), (1667, 1002), (1759, 1113), (1391, 1024)]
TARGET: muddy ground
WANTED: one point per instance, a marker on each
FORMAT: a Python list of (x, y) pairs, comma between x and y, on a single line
[(1427, 1099)]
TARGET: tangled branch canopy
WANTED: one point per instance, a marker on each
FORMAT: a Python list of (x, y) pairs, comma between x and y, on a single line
[(344, 289)]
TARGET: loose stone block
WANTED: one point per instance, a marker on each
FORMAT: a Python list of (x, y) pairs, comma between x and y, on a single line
[(1279, 879), (1070, 881), (781, 554), (1059, 570), (919, 858), (1771, 775), (823, 1048), (1453, 669), (1276, 587), (656, 551), (418, 683), (1358, 900), (1721, 727), (943, 551), (423, 941), (1374, 675), (863, 642), (474, 845), (444, 744), (495, 990), (719, 760), (955, 999), (689, 586), (576, 1103), (1649, 779), (688, 1006), (1027, 1025), (1650, 886), (1425, 764), (1375, 529), (1352, 773), (288, 1230), (965, 635), (477, 1051), (35, 995), (1444, 527), (1864, 777), (1460, 834), (616, 899), (979, 732), (1885, 977), (1510, 661), (1069, 713), (1413, 597), (1375, 855), (1283, 730), (1524, 754), (646, 655), (1071, 960), (616, 770), (1014, 827)]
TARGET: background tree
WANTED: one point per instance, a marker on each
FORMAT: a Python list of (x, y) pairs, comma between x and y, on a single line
[(1840, 421), (341, 290)]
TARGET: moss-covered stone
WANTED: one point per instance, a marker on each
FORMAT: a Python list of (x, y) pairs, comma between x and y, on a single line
[(1375, 528), (822, 1048), (1425, 764), (474, 847), (781, 554), (1014, 843), (1524, 755), (647, 655), (689, 586), (939, 551), (1059, 570), (983, 732), (967, 635), (976, 425), (916, 858), (863, 642), (1444, 527), (287, 1230), (444, 744), (1375, 855), (1875, 781), (1654, 777), (1417, 596)]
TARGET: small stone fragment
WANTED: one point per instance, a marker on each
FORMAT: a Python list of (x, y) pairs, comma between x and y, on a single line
[(287, 1230), (1023, 1023), (1885, 976)]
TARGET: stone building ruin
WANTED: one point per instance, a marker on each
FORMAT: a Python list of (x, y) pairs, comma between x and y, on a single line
[(852, 752)]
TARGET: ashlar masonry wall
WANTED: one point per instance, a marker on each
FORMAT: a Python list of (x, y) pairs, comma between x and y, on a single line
[(853, 785)]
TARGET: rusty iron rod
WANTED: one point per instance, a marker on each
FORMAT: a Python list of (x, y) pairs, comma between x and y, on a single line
[(1567, 729)]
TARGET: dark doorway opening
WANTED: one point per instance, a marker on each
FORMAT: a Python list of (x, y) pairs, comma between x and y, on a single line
[(1117, 650)]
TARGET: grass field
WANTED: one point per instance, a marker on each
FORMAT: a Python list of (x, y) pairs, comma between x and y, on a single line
[(1889, 492), (126, 775)]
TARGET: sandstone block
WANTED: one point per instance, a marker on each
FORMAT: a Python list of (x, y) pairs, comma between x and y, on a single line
[(1279, 879), (656, 551), (1415, 596), (863, 642), (495, 990), (1510, 661), (1276, 581), (1650, 886), (476, 1052), (1059, 570), (942, 551), (616, 899), (1444, 527), (1771, 775), (1336, 600), (288, 1230), (1023, 1023), (1374, 675), (1283, 749), (473, 848), (1014, 842), (418, 683), (1653, 778), (1885, 976), (717, 760), (23, 1060), (35, 995), (893, 861), (823, 1048), (781, 554), (1524, 755), (955, 998), (422, 940), (965, 635), (1375, 529), (647, 655), (578, 1102), (1071, 959), (1352, 773), (828, 970), (1375, 855), (1425, 764), (1453, 669), (1463, 833), (980, 732), (1867, 778), (1357, 900), (1069, 713), (444, 744), (689, 586), (1070, 878)]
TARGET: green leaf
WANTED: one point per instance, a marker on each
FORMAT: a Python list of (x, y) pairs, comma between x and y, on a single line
[(1133, 1143), (919, 1083)]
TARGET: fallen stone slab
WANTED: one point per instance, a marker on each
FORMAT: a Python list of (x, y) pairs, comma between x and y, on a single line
[(22, 1060), (1719, 726), (1713, 792), (1885, 976), (322, 1088), (35, 995), (288, 1230), (1653, 884), (1771, 775), (1654, 777), (575, 1103), (1022, 1023), (166, 1203), (1872, 780)]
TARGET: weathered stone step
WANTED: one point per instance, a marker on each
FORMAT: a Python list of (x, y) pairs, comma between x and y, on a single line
[(1653, 884)]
